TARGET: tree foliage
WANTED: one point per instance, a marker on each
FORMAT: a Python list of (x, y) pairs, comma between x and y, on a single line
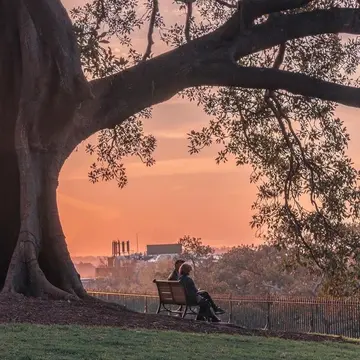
[(194, 250), (262, 270), (295, 143)]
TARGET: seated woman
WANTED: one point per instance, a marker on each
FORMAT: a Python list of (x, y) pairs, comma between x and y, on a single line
[(208, 309)]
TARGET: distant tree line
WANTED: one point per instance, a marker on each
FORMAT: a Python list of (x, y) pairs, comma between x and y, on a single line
[(243, 270)]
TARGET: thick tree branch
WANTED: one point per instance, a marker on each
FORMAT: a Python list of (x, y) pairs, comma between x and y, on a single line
[(268, 78), (226, 4), (57, 33), (266, 7), (294, 26), (250, 10), (122, 95), (204, 61)]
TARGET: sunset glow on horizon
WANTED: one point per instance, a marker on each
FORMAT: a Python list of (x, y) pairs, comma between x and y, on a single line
[(179, 195)]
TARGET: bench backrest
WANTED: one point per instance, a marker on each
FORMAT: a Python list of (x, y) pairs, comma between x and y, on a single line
[(171, 292)]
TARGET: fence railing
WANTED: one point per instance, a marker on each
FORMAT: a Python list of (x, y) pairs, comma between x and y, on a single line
[(293, 314)]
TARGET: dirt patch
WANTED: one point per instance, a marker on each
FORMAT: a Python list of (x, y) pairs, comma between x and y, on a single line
[(18, 309)]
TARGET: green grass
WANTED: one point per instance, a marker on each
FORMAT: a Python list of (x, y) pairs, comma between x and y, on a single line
[(29, 342)]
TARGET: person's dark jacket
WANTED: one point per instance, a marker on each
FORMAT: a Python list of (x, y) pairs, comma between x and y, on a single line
[(174, 276), (190, 288)]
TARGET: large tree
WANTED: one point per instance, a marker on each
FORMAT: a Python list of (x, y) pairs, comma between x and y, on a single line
[(269, 72)]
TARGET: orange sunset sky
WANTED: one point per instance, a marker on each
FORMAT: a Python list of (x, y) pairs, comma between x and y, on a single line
[(180, 195)]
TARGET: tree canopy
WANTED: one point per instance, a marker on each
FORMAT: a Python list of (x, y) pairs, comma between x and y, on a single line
[(270, 74)]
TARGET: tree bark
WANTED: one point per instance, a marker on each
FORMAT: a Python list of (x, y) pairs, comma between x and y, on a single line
[(34, 259), (41, 86), (41, 264), (10, 205)]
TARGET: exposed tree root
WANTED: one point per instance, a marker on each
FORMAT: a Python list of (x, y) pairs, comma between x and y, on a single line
[(29, 273)]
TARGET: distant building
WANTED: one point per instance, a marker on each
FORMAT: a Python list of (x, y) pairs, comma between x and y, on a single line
[(161, 249)]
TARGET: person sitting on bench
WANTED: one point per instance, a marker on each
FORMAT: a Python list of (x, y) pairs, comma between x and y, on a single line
[(208, 309), (174, 276)]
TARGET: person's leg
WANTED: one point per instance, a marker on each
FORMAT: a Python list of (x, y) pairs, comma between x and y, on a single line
[(206, 312), (203, 309), (207, 297), (202, 313)]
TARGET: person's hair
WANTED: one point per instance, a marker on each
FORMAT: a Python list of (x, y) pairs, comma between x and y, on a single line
[(185, 269), (179, 261)]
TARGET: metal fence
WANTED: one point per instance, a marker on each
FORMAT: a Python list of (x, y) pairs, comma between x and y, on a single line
[(324, 316)]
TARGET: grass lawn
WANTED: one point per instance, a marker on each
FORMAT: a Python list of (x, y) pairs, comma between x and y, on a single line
[(25, 342)]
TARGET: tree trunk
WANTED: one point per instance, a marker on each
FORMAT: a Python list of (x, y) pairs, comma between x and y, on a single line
[(33, 245), (9, 208), (34, 259), (41, 87), (40, 264)]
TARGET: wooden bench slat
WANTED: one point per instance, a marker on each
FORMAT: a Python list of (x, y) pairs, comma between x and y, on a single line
[(179, 295), (173, 293)]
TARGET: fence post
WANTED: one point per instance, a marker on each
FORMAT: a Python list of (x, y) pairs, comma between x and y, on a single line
[(146, 305), (230, 309), (312, 319), (268, 318)]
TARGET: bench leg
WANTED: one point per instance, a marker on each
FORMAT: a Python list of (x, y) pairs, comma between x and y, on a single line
[(184, 312), (159, 308)]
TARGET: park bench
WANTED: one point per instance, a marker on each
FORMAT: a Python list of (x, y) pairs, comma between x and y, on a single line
[(173, 293)]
